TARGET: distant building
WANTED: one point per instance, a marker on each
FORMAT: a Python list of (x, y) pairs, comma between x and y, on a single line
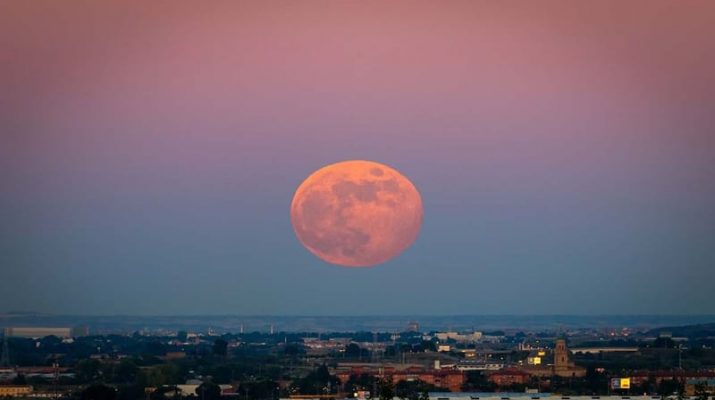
[(508, 377), (536, 360), (317, 347), (174, 355), (598, 350), (656, 377), (459, 337), (413, 327), (80, 331), (693, 385), (36, 332), (562, 366), (15, 391), (32, 332), (476, 366), (189, 389), (450, 379)]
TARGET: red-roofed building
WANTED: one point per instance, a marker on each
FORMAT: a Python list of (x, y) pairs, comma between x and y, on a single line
[(508, 377), (446, 378)]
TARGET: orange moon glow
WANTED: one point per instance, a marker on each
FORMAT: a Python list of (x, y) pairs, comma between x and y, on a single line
[(356, 213)]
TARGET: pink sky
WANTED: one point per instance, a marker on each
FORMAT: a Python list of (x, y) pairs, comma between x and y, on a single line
[(578, 133)]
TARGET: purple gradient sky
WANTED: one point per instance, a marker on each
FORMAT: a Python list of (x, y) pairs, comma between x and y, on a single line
[(150, 151)]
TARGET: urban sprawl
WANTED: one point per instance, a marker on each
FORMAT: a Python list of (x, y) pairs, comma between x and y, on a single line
[(597, 363)]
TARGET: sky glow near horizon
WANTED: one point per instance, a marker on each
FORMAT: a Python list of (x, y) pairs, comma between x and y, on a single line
[(564, 152)]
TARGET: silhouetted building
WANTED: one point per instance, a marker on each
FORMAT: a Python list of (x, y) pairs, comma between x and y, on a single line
[(508, 377), (562, 366)]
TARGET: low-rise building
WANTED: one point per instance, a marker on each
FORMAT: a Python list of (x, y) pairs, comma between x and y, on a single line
[(36, 332), (699, 386), (15, 391), (459, 337), (509, 377), (450, 379)]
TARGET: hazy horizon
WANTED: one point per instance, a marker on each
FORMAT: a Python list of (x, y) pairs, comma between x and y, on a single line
[(209, 315), (383, 323)]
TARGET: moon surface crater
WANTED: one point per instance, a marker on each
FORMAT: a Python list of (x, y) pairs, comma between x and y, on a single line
[(356, 213)]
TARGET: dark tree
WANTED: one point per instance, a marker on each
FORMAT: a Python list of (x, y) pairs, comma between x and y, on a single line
[(222, 374), (413, 390), (359, 382), (87, 371), (19, 380), (386, 389), (478, 382), (294, 349), (126, 371), (130, 392), (154, 348), (701, 392), (390, 351), (429, 345), (667, 387), (664, 343), (318, 381), (99, 392), (262, 389), (354, 351), (208, 391), (163, 392), (220, 348)]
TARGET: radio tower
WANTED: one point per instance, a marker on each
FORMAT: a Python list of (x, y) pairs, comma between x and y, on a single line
[(5, 358)]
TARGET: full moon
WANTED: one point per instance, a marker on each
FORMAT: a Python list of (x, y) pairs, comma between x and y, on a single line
[(356, 213)]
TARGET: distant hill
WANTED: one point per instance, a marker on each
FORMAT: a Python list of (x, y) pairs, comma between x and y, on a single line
[(379, 323), (690, 331)]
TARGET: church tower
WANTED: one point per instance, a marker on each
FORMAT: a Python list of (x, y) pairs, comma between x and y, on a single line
[(563, 367), (561, 355)]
